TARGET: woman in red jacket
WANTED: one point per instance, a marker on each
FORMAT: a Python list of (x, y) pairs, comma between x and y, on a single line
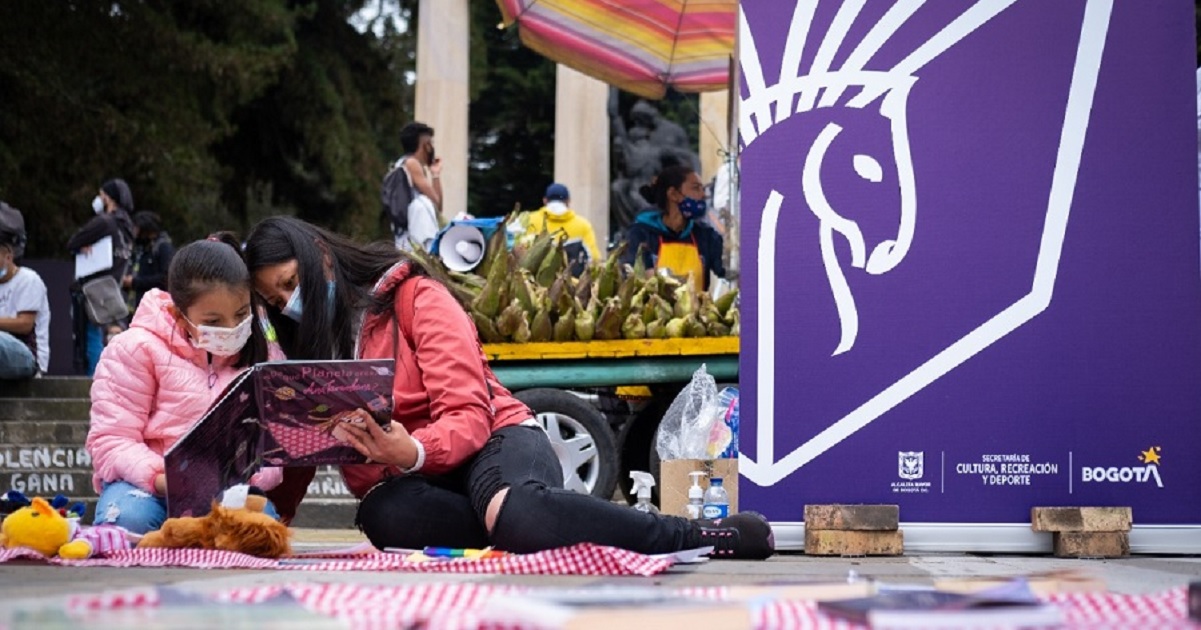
[(464, 463)]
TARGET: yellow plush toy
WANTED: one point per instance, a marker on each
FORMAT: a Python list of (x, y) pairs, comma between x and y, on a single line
[(42, 528)]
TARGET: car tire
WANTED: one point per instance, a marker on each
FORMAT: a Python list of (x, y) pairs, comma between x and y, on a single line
[(581, 438)]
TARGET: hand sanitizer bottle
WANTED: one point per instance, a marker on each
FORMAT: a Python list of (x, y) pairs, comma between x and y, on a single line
[(643, 482), (717, 502), (695, 495)]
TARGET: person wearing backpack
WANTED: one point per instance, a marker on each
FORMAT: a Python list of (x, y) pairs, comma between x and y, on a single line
[(412, 189), (112, 206)]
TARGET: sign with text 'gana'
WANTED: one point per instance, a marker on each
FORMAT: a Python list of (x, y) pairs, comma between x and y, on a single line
[(970, 257)]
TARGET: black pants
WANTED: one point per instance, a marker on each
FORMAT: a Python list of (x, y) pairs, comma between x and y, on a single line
[(448, 511)]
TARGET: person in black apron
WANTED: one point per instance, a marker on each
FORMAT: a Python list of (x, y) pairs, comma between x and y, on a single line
[(672, 236)]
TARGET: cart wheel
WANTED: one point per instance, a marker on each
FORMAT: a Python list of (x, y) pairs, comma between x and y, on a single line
[(580, 437)]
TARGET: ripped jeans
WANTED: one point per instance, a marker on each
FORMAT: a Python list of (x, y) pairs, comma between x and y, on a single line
[(125, 505), (414, 511)]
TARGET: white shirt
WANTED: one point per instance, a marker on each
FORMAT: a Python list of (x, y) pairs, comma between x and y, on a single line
[(26, 292)]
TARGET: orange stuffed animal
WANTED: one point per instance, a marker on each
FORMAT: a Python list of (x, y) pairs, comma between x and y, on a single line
[(244, 529)]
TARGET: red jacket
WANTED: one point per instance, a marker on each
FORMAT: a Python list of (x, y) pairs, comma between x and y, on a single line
[(444, 392)]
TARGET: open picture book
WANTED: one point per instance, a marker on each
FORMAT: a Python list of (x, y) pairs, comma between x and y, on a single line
[(283, 413)]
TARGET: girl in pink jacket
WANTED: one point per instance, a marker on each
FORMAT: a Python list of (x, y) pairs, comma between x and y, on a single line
[(155, 380)]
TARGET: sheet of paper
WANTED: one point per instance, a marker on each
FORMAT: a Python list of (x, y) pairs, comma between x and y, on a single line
[(98, 258)]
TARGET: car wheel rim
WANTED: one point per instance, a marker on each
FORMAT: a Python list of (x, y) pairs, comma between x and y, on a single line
[(576, 450)]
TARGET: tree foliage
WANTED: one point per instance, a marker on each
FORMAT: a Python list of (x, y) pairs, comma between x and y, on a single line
[(221, 113), (215, 112)]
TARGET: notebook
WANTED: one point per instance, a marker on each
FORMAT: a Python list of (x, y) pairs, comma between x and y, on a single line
[(281, 413)]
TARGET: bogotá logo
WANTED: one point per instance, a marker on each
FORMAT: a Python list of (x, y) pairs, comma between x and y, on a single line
[(1146, 473), (866, 196)]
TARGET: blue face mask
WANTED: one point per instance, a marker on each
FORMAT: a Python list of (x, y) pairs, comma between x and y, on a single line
[(692, 208), (295, 306)]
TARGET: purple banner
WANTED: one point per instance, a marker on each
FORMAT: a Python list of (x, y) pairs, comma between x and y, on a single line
[(970, 258)]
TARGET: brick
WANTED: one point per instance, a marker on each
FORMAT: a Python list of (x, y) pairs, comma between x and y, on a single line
[(826, 542), (1091, 544), (852, 517), (1081, 519)]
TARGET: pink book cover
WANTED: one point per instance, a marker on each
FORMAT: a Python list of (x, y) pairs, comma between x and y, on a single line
[(275, 414)]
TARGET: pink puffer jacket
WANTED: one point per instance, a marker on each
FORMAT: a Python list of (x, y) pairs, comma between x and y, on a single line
[(150, 387)]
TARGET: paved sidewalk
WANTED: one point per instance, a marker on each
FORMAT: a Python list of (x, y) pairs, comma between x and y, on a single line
[(26, 583)]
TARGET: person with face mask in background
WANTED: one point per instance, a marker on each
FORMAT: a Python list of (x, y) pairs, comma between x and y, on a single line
[(158, 378), (24, 308), (556, 215), (112, 206), (670, 234)]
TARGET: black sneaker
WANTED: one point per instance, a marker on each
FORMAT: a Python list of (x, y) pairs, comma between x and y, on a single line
[(744, 536)]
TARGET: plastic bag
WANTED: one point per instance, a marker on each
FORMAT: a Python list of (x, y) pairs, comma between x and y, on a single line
[(684, 431)]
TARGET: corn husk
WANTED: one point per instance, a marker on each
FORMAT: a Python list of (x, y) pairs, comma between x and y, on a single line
[(633, 328), (554, 262), (538, 250), (657, 329), (585, 325), (726, 300), (676, 328), (487, 330), (685, 301), (540, 327), (564, 327), (608, 325), (510, 318)]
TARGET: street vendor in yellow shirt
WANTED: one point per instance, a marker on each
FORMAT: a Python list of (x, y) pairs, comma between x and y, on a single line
[(557, 215)]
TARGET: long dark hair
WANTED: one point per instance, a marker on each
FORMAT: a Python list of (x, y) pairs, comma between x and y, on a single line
[(202, 266), (670, 177), (325, 331)]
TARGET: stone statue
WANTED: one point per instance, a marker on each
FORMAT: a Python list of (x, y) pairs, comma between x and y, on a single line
[(651, 144)]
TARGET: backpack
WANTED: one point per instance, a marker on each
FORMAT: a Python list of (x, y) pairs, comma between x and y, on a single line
[(396, 194)]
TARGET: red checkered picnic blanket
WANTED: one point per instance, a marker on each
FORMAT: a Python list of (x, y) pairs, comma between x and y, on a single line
[(460, 606), (581, 559)]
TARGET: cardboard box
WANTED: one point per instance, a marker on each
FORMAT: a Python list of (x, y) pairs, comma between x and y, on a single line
[(674, 482)]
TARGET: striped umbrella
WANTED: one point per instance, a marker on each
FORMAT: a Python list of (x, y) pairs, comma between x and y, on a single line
[(641, 46)]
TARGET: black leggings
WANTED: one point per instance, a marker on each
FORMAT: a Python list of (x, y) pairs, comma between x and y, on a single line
[(448, 510)]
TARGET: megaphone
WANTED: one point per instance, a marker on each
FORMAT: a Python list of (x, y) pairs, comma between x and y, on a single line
[(462, 247)]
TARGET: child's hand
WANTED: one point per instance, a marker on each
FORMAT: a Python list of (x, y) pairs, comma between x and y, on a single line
[(391, 445), (160, 484)]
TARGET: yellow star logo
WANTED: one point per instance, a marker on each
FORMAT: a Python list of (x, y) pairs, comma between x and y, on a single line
[(1150, 456)]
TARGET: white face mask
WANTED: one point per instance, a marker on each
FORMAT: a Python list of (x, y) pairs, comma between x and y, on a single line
[(222, 342), (557, 208), (97, 204)]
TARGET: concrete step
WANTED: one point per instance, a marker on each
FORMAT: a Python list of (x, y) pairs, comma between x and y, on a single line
[(47, 387), (41, 432), (33, 409), (326, 513)]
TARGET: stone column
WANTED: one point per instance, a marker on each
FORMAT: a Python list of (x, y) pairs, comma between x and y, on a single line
[(714, 132), (582, 146), (443, 46)]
